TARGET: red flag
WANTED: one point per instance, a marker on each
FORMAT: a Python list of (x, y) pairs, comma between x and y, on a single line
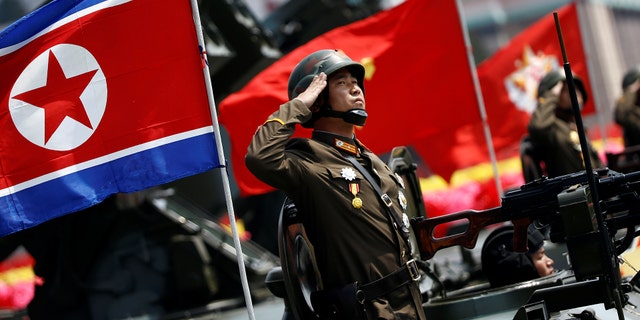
[(98, 97), (418, 85), (509, 79)]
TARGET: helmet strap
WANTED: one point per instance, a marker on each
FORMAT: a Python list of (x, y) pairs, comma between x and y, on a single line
[(354, 116)]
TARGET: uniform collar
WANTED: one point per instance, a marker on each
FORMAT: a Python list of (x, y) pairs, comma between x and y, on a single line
[(341, 143)]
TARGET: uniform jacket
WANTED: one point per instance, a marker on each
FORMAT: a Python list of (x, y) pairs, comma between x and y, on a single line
[(627, 115), (350, 244), (557, 140)]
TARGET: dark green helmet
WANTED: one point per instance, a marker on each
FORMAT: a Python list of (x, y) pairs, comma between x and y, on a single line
[(630, 77), (327, 61), (553, 77)]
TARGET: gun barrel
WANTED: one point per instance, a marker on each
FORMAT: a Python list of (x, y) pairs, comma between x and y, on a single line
[(614, 182)]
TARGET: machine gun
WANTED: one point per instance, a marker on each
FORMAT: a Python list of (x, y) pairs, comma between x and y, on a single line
[(540, 200), (563, 202)]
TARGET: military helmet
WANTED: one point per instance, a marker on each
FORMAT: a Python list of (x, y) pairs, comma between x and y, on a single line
[(554, 76), (327, 61), (630, 77), (501, 264)]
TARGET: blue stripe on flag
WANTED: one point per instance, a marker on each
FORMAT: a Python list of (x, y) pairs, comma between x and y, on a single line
[(40, 19), (82, 189)]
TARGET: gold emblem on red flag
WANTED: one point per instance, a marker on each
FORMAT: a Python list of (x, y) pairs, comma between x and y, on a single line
[(522, 84)]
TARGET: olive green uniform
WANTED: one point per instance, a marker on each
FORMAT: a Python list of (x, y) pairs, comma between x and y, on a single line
[(351, 244), (627, 115), (557, 140)]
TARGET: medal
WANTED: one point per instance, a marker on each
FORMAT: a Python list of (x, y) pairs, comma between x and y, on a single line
[(405, 220), (354, 188), (403, 200), (348, 174), (356, 203)]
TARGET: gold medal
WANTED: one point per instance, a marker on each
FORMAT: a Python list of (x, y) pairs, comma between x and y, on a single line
[(356, 203), (354, 188)]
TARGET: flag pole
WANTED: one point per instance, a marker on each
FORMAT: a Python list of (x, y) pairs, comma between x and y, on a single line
[(601, 78), (222, 161), (481, 107)]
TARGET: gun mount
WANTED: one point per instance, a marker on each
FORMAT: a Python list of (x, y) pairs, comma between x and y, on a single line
[(564, 204)]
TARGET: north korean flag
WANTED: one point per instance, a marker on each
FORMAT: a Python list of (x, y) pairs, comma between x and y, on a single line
[(99, 97)]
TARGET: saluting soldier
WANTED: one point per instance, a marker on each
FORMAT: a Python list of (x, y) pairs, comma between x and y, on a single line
[(627, 108), (553, 129), (351, 204)]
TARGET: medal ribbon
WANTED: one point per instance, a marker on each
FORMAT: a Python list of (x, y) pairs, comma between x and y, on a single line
[(354, 188)]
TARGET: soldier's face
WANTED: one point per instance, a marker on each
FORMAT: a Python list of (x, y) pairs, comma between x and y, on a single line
[(542, 262), (344, 91), (564, 100)]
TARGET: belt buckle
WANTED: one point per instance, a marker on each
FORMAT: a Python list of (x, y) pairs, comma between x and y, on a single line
[(386, 199), (414, 272)]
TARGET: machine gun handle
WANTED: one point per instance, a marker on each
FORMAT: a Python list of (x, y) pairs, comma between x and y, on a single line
[(476, 221)]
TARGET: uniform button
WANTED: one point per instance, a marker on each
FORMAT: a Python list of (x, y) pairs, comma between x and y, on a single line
[(395, 226)]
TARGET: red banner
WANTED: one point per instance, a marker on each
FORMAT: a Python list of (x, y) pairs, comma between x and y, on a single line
[(509, 79), (418, 86)]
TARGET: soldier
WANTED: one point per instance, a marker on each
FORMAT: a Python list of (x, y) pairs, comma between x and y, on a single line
[(503, 266), (552, 127), (353, 221), (627, 109)]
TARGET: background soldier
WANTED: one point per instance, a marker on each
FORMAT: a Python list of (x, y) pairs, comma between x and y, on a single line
[(503, 266), (552, 127), (627, 109)]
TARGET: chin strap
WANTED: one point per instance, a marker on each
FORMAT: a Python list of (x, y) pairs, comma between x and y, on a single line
[(354, 116)]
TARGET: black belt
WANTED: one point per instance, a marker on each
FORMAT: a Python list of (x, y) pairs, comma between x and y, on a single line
[(347, 303), (407, 274)]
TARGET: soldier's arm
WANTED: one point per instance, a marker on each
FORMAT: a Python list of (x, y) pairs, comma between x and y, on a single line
[(626, 112), (266, 157), (544, 125)]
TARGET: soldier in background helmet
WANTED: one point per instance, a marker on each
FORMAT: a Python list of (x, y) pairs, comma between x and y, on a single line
[(503, 266), (552, 127), (361, 248), (627, 109)]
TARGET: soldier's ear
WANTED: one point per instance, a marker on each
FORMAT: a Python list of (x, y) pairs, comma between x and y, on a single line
[(315, 107), (320, 101)]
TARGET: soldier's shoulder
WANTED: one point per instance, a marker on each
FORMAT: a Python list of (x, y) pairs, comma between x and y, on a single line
[(299, 144), (306, 148)]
